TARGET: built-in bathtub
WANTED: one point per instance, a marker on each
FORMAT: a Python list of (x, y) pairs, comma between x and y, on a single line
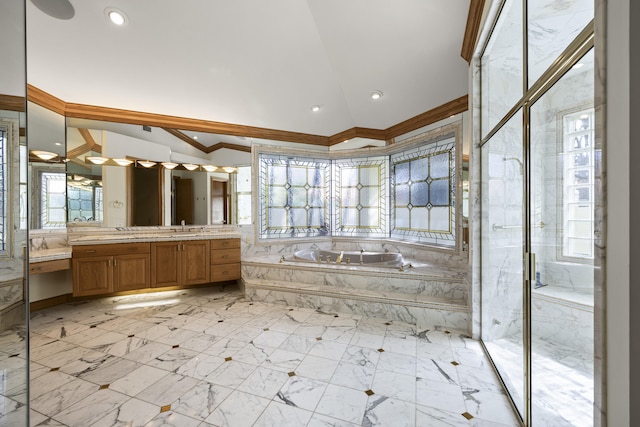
[(386, 285), (373, 259)]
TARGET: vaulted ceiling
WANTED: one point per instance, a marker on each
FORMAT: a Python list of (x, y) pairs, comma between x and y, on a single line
[(256, 63)]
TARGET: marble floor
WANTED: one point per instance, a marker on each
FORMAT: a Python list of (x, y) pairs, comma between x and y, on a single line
[(207, 357)]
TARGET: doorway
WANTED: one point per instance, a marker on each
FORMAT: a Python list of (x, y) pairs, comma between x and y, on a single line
[(146, 196), (219, 202)]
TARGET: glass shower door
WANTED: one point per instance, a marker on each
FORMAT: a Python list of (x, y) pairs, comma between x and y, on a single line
[(565, 165), (502, 255)]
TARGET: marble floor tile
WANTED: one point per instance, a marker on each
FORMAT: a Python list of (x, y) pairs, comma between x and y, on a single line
[(279, 414), (137, 380), (384, 411), (92, 409), (264, 382), (343, 403), (317, 368), (301, 392), (215, 359), (167, 390), (238, 410), (201, 400), (172, 419)]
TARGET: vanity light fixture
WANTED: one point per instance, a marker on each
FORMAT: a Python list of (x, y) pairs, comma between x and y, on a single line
[(190, 166), (96, 160), (146, 163), (315, 108), (376, 94), (123, 162), (229, 169), (209, 168), (44, 155), (116, 16), (169, 165)]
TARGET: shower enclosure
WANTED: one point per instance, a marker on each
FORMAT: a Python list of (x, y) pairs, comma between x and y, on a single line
[(540, 190)]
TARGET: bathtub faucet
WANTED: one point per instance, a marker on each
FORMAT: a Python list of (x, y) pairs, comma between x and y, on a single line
[(339, 259), (361, 252), (402, 267)]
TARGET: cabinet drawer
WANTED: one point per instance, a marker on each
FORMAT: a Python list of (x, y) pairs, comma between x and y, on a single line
[(49, 266), (223, 272), (225, 256), (225, 243), (114, 249)]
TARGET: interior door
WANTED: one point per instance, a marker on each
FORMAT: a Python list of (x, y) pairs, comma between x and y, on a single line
[(183, 195), (219, 203)]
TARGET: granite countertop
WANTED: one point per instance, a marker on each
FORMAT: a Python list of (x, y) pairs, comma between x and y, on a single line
[(49, 254), (136, 237)]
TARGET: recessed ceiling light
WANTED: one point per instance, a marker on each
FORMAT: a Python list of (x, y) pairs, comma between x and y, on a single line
[(376, 94), (116, 16), (57, 143), (195, 136), (315, 108), (578, 65)]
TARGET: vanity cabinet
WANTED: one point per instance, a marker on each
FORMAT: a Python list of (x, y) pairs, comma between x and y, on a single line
[(102, 269), (180, 263), (225, 260)]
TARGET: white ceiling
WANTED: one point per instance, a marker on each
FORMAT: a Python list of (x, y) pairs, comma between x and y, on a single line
[(256, 62)]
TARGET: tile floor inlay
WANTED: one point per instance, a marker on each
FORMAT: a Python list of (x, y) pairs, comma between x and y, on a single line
[(212, 358)]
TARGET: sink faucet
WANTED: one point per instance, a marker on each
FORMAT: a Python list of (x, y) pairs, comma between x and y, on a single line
[(182, 223), (361, 252)]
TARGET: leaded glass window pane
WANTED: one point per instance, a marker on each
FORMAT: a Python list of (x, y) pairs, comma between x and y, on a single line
[(423, 192), (293, 194), (361, 203)]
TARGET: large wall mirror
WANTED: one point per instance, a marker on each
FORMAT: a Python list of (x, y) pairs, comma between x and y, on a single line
[(13, 217), (122, 175)]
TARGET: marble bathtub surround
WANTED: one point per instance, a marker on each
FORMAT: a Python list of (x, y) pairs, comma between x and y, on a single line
[(214, 358)]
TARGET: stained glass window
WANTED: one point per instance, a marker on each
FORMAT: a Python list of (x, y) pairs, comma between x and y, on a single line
[(294, 195), (360, 187), (423, 183)]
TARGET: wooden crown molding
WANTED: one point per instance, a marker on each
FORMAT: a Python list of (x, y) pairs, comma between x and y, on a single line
[(91, 143), (46, 100), (82, 111), (457, 106), (13, 103), (186, 139), (229, 146), (471, 30), (203, 148), (171, 124)]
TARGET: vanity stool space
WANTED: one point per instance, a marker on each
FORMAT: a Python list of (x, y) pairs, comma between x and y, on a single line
[(105, 268)]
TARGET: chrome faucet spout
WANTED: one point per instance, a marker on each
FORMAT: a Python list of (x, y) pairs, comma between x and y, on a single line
[(182, 223)]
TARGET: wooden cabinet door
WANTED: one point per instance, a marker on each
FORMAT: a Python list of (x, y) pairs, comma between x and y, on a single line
[(92, 275), (195, 262), (131, 272), (167, 262)]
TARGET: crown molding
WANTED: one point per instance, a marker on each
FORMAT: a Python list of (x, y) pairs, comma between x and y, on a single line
[(46, 100), (472, 28), (13, 103), (171, 124), (457, 106)]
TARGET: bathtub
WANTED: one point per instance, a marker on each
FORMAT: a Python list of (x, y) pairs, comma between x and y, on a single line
[(373, 259)]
